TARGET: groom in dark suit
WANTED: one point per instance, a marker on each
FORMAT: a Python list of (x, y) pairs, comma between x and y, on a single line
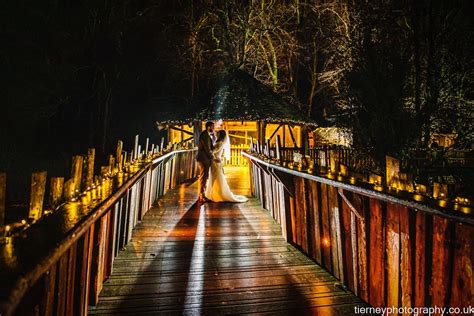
[(204, 158)]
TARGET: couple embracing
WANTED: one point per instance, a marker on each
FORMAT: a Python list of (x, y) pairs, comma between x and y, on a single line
[(212, 182)]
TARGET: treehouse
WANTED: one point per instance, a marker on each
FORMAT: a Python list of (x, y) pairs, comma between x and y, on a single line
[(248, 110)]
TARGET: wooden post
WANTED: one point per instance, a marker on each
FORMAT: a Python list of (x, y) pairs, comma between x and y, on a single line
[(278, 148), (392, 167), (56, 191), (196, 131), (111, 163), (104, 170), (135, 148), (304, 140), (90, 167), (68, 189), (76, 172), (38, 187), (118, 155), (3, 191), (261, 127), (292, 136)]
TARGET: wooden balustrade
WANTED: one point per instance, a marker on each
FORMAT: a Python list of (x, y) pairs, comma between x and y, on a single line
[(236, 158), (387, 249), (59, 264), (323, 156)]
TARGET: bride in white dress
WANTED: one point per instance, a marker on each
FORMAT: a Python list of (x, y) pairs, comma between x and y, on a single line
[(217, 188)]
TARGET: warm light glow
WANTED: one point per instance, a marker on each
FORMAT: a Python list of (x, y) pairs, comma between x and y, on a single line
[(378, 187), (195, 289), (23, 221), (7, 228), (326, 242), (465, 210), (418, 197)]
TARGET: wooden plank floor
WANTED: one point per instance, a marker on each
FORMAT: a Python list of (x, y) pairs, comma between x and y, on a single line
[(216, 259)]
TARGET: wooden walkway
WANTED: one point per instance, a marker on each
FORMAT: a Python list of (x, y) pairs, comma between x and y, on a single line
[(217, 259)]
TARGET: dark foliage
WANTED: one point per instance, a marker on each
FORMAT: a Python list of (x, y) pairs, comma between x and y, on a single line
[(79, 74)]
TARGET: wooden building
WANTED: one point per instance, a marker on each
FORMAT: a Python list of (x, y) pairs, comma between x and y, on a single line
[(247, 109)]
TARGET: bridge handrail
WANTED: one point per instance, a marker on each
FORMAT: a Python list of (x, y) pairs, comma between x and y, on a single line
[(29, 255), (401, 197), (386, 248)]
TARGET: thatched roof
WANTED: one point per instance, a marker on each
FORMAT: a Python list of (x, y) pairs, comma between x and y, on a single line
[(241, 97)]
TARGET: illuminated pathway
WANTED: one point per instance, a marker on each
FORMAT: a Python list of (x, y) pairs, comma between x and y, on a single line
[(217, 259)]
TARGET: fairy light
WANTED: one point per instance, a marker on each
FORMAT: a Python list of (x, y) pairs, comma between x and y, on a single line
[(378, 187), (418, 197)]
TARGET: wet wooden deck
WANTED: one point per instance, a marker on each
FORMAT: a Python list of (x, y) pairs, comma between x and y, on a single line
[(217, 259)]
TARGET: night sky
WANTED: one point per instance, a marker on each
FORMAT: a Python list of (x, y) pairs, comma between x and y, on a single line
[(80, 74)]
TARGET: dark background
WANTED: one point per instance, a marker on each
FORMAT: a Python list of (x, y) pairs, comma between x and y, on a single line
[(80, 74)]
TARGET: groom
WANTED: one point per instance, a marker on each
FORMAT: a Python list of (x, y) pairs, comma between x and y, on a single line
[(204, 158)]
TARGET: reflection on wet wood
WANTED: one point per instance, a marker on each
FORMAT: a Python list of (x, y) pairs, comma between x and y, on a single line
[(218, 258)]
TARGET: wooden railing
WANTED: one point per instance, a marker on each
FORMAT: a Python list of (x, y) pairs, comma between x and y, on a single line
[(236, 158), (58, 265), (386, 247), (325, 155)]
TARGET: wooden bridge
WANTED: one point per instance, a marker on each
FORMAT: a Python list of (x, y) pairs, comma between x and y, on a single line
[(217, 258), (306, 242)]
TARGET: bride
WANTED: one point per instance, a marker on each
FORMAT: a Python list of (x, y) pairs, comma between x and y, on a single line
[(217, 188)]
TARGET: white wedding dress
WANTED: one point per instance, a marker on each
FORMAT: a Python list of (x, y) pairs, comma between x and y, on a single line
[(217, 189)]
